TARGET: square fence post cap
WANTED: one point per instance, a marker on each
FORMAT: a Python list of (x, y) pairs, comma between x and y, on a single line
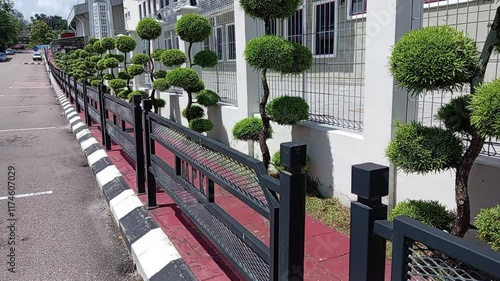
[(136, 98), (293, 154), (370, 180), (147, 104)]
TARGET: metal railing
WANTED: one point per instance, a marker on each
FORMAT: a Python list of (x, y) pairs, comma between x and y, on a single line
[(419, 252), (202, 174)]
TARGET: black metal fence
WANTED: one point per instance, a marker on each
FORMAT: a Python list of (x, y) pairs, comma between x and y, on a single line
[(202, 168), (419, 252)]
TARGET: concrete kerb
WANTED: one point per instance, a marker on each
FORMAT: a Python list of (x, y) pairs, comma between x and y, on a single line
[(155, 256)]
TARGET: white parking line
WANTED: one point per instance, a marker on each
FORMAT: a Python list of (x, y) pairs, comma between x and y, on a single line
[(28, 195), (27, 129)]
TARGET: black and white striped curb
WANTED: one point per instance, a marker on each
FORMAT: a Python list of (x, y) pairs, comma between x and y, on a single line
[(154, 254), (34, 63)]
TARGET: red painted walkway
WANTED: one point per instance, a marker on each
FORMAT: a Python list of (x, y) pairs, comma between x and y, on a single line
[(327, 251)]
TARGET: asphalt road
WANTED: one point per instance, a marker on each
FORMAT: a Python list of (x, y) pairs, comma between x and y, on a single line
[(67, 232)]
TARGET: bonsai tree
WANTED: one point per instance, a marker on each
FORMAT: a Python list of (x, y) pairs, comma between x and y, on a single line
[(270, 52), (488, 228), (451, 63), (191, 29)]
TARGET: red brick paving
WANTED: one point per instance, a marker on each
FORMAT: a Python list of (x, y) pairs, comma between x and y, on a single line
[(327, 251)]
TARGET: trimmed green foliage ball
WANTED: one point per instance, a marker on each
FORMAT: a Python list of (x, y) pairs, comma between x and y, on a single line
[(485, 109), (143, 94), (173, 57), (98, 48), (488, 226), (207, 98), (111, 62), (108, 43), (95, 82), (248, 129), (95, 58), (136, 69), (193, 28), (125, 44), (201, 125), (194, 112), (92, 41), (156, 54), (120, 58), (89, 48), (74, 55), (185, 78), (270, 9), (299, 60), (101, 65), (141, 59), (117, 83), (419, 149), (434, 58), (108, 76), (159, 103), (206, 58), (288, 110), (161, 84), (268, 52), (429, 212), (124, 75), (456, 114), (148, 29), (160, 74), (123, 94)]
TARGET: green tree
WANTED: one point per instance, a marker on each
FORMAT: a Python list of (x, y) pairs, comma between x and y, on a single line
[(10, 25), (450, 64), (56, 23), (40, 33)]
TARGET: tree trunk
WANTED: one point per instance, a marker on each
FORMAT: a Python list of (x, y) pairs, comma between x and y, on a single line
[(264, 132), (188, 106), (126, 70), (462, 220)]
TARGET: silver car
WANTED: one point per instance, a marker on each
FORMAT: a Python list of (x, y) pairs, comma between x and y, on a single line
[(37, 56), (10, 51)]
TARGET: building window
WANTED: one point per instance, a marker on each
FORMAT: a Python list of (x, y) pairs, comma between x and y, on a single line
[(206, 44), (324, 29), (154, 6), (231, 42), (140, 12), (149, 7), (220, 43), (294, 27), (274, 26), (162, 4), (358, 7), (144, 14), (102, 8)]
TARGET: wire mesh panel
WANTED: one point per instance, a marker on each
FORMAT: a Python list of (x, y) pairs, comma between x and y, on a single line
[(335, 32), (221, 78), (473, 18)]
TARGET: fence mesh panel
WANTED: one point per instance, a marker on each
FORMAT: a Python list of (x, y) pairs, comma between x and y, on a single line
[(471, 17), (427, 264)]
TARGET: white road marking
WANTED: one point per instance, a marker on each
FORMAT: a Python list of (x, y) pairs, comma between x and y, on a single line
[(28, 195), (24, 106), (27, 129)]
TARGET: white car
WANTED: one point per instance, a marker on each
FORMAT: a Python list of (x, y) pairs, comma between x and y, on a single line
[(37, 56)]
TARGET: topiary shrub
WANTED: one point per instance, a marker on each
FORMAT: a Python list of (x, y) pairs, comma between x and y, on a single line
[(160, 74), (124, 75), (429, 212), (136, 69), (101, 65), (98, 48), (455, 115), (270, 9), (484, 105), (131, 95), (111, 63), (116, 84), (161, 84), (173, 57), (95, 58), (148, 29), (108, 76), (419, 149), (248, 129), (185, 78), (120, 58), (288, 110), (140, 59), (156, 54), (193, 28), (95, 82), (267, 52), (195, 112), (206, 58), (125, 44), (488, 226), (300, 59), (159, 103), (434, 58), (201, 125), (108, 43), (123, 94), (207, 98)]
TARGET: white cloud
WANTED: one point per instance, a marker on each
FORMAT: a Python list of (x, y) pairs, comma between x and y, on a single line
[(49, 7)]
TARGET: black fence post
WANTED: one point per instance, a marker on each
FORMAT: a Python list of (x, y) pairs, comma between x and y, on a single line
[(88, 121), (78, 109), (106, 140), (70, 89), (370, 182), (292, 212), (147, 105), (139, 145)]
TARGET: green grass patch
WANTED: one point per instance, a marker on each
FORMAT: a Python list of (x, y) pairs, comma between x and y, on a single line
[(330, 212)]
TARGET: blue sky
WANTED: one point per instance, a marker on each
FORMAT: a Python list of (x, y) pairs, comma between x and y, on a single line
[(48, 7)]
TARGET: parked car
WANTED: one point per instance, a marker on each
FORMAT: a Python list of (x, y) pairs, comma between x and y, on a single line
[(18, 47), (10, 51), (3, 57), (37, 56)]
